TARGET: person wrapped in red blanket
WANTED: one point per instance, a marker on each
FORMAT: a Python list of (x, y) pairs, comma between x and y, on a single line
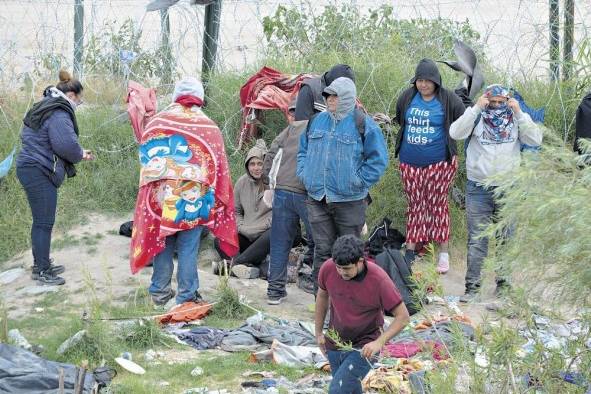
[(185, 186)]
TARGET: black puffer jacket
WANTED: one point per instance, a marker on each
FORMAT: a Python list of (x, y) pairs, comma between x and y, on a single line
[(583, 122)]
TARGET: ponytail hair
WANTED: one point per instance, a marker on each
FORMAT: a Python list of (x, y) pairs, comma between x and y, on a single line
[(68, 84)]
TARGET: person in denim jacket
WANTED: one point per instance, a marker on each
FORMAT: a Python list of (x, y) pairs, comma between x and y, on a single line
[(337, 166)]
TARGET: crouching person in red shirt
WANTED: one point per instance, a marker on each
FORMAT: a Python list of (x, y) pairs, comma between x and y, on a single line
[(359, 292)]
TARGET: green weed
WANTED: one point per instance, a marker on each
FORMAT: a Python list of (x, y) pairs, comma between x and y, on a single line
[(228, 303)]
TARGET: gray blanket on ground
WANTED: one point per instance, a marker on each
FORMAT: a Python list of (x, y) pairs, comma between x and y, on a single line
[(250, 336)]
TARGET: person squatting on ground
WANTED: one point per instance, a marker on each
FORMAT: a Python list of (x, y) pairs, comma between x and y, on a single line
[(50, 148), (337, 166), (185, 186), (495, 128), (289, 206), (253, 218), (310, 100), (358, 293), (428, 158)]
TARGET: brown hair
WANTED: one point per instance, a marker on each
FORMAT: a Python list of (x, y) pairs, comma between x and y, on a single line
[(68, 84)]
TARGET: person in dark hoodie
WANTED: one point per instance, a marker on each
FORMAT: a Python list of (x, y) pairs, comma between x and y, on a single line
[(337, 166), (253, 218), (428, 158), (50, 148), (310, 100), (583, 124)]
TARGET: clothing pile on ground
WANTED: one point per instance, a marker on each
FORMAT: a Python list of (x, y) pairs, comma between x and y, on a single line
[(283, 342), (553, 336), (424, 347), (185, 312)]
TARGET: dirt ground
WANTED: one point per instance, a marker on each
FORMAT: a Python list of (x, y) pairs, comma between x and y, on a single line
[(95, 253)]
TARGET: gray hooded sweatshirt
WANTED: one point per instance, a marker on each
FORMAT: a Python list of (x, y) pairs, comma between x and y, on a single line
[(253, 217), (345, 90)]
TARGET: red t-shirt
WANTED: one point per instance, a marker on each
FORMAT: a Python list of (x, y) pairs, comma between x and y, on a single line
[(357, 306)]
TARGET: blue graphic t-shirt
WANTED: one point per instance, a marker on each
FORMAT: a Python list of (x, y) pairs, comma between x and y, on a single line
[(424, 141)]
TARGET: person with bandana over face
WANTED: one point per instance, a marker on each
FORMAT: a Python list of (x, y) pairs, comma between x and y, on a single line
[(495, 128), (50, 148)]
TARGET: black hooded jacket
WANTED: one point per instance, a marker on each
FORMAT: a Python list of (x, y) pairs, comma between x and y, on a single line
[(453, 107), (310, 100), (583, 122)]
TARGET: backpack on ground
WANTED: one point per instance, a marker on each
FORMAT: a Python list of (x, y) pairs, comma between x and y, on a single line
[(384, 236)]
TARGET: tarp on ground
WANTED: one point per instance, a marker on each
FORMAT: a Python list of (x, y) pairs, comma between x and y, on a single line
[(22, 372)]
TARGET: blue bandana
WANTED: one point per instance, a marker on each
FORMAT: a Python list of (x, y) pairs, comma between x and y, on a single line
[(498, 122)]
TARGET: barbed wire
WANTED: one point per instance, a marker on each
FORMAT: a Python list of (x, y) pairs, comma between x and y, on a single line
[(36, 37)]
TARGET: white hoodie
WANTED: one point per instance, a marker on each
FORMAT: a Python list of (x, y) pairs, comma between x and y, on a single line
[(485, 158)]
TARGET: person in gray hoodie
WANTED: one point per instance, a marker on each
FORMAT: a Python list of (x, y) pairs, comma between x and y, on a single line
[(50, 148), (253, 217), (337, 165), (495, 128)]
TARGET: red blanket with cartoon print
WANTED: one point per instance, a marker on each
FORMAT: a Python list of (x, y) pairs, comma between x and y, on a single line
[(184, 182)]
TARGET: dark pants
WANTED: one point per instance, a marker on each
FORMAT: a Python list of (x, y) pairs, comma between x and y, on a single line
[(348, 370), (482, 208), (288, 209), (329, 221), (253, 253), (42, 196)]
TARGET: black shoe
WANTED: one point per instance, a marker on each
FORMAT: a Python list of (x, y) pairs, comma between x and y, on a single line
[(54, 269), (48, 278), (198, 297), (306, 283), (503, 287)]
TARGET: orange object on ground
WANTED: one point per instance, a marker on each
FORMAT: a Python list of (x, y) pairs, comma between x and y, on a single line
[(186, 312)]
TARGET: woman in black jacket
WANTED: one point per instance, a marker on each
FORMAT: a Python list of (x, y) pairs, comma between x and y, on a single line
[(50, 148), (428, 158)]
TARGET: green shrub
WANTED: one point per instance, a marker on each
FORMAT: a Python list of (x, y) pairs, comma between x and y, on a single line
[(548, 200)]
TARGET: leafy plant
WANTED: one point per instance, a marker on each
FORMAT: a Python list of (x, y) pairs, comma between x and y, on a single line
[(228, 303), (548, 200), (144, 334)]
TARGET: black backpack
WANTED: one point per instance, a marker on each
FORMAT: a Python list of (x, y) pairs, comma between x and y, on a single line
[(392, 261), (383, 236)]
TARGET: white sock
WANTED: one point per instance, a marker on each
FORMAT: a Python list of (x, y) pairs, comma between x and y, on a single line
[(444, 256)]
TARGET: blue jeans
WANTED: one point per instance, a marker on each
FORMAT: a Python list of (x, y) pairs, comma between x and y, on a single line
[(348, 370), (482, 209), (42, 197), (288, 209), (187, 247)]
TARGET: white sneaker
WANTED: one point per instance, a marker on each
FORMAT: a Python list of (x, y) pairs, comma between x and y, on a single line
[(443, 263), (245, 272)]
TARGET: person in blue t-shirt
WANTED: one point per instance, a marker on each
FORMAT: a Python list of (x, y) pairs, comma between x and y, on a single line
[(428, 158)]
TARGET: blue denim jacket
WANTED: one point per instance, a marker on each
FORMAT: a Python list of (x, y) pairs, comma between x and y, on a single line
[(333, 162)]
